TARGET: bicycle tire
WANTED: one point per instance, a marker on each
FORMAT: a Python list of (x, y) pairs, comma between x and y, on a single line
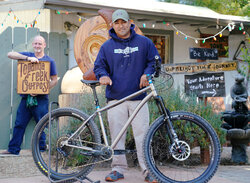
[(68, 120), (178, 166)]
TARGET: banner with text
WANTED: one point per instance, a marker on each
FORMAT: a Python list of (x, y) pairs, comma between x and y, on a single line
[(33, 78), (205, 84), (201, 67)]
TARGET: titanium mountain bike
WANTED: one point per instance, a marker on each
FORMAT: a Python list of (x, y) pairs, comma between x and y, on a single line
[(174, 146)]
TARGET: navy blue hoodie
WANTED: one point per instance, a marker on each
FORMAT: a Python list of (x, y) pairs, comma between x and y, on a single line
[(125, 61)]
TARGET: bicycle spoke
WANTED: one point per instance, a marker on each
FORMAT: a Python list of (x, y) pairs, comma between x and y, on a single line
[(67, 157)]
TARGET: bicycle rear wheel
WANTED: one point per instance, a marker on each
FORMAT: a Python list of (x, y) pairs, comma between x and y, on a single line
[(195, 160), (66, 162)]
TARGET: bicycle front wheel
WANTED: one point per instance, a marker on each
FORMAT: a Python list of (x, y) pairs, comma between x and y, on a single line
[(194, 159), (66, 161)]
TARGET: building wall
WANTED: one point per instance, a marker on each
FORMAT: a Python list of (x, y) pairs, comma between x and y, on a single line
[(28, 16), (50, 21)]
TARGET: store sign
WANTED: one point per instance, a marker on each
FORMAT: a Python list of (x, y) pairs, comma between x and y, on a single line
[(220, 44), (203, 53), (201, 67), (33, 78), (205, 84)]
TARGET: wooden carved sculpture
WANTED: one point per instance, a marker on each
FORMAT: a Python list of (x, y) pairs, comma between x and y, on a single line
[(89, 38)]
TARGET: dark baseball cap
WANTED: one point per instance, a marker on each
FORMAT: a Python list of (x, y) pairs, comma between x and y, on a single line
[(120, 14)]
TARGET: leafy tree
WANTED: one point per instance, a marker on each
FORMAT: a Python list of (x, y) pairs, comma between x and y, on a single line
[(231, 7)]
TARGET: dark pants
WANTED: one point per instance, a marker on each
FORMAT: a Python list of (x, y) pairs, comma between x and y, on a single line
[(24, 115)]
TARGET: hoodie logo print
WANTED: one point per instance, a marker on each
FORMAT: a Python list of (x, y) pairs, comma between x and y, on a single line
[(126, 51)]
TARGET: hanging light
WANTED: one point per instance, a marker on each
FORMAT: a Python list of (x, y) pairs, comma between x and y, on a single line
[(241, 25)]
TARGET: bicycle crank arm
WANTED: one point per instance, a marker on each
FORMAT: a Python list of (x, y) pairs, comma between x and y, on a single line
[(92, 153), (122, 151)]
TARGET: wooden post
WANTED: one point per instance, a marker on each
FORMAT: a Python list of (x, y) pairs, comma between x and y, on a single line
[(205, 155)]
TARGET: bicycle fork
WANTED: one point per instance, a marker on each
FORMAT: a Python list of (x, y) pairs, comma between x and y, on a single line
[(163, 110), (167, 120)]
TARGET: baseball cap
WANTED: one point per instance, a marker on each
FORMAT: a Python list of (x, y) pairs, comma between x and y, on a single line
[(120, 14)]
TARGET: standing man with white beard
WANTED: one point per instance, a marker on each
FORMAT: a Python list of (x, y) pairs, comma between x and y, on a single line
[(24, 112)]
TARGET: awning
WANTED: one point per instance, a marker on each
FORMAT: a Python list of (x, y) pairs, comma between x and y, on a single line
[(146, 11)]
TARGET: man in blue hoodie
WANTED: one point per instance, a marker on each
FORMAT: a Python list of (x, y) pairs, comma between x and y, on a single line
[(122, 64)]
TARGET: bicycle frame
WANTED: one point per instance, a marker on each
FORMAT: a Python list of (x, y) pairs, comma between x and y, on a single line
[(153, 93)]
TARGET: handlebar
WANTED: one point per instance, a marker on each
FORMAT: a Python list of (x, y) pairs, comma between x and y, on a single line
[(157, 66)]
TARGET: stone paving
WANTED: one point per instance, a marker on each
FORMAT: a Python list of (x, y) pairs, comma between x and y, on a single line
[(21, 169)]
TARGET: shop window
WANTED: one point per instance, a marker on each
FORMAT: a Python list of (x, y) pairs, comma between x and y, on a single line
[(162, 45), (163, 41)]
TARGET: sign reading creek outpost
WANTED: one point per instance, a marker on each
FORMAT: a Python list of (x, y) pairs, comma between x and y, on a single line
[(33, 78), (205, 84)]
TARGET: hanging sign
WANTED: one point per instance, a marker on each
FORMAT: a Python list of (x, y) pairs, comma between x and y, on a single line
[(203, 53), (201, 67), (205, 84), (33, 78), (220, 44)]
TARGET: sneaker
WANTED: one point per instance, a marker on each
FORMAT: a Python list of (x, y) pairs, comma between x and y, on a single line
[(114, 176), (150, 179), (7, 153)]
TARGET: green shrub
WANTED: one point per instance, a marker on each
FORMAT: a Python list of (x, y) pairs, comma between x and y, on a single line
[(174, 99)]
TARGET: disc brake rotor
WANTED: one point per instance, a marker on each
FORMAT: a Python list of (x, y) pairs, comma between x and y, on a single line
[(180, 152)]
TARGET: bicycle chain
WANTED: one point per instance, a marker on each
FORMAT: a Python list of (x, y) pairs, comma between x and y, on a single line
[(93, 144)]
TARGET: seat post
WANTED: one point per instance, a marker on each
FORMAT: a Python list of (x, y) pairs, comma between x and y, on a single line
[(93, 87)]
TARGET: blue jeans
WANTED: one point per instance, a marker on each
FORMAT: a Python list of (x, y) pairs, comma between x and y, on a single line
[(23, 116)]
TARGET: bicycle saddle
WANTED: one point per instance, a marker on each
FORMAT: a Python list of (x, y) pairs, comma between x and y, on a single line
[(90, 82)]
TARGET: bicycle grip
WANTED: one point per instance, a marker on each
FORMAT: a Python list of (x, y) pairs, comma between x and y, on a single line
[(157, 66)]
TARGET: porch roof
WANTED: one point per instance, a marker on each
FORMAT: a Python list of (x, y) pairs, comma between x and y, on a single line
[(146, 11)]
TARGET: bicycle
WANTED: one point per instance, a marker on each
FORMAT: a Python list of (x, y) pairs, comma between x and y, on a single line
[(77, 144)]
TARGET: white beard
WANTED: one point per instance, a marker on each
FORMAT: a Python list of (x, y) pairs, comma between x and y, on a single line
[(38, 50)]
